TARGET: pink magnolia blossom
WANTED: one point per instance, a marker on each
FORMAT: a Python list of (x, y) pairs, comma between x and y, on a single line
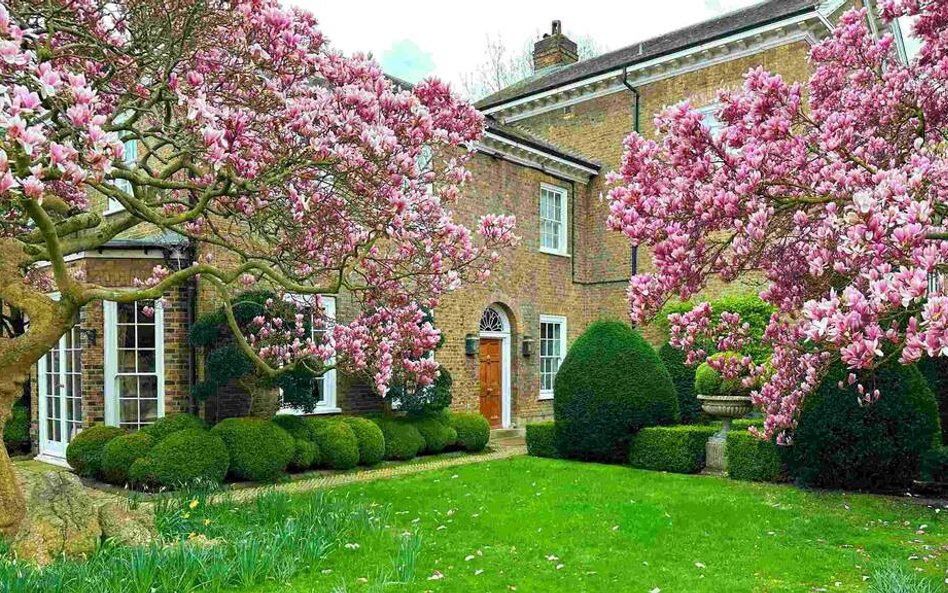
[(834, 190)]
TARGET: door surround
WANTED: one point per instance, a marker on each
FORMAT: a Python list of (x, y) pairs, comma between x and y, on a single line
[(495, 324)]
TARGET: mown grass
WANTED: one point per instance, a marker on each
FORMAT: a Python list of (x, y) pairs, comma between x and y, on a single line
[(540, 525)]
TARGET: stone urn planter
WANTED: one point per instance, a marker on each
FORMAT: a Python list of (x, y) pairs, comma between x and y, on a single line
[(727, 408), (720, 398)]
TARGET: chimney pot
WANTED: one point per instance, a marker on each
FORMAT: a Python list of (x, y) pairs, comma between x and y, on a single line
[(554, 49)]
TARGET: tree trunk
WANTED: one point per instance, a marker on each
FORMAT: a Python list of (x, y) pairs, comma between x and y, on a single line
[(12, 503), (264, 399)]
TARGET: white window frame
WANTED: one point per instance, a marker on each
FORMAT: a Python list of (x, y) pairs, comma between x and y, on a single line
[(563, 193), (709, 119), (547, 394), (130, 157), (329, 405), (110, 337)]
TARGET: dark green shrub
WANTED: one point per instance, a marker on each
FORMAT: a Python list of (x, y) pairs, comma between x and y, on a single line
[(169, 425), (473, 430), (437, 433), (370, 437), (610, 385), (299, 427), (84, 452), (183, 458), (120, 453), (338, 445), (683, 377), (708, 381), (305, 455), (840, 443), (678, 449), (541, 440), (259, 449), (935, 465), (748, 457), (426, 400), (936, 373), (402, 440), (16, 432)]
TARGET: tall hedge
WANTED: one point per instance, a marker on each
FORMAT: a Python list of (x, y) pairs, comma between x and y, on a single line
[(683, 377), (935, 371), (610, 385), (840, 443)]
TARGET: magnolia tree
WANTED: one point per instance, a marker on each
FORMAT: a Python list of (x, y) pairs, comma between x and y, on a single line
[(303, 169), (835, 190)]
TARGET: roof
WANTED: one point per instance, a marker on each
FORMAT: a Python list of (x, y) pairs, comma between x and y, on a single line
[(521, 136), (758, 15), (162, 240)]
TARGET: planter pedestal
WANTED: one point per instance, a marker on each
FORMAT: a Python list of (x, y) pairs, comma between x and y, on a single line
[(725, 407)]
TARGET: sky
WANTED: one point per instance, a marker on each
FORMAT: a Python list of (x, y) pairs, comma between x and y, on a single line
[(419, 38)]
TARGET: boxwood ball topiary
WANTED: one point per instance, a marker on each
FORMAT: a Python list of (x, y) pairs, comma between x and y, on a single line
[(259, 449), (370, 437), (173, 423), (840, 443), (402, 440), (121, 452), (610, 385), (84, 452), (183, 458), (338, 445), (305, 455), (473, 431), (437, 433), (297, 426)]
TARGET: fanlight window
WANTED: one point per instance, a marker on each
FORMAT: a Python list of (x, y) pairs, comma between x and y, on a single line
[(491, 321)]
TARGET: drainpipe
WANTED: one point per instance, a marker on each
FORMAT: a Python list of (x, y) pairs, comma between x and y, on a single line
[(634, 256), (192, 289)]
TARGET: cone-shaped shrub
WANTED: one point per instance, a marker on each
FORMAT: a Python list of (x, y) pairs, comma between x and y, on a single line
[(611, 384), (842, 443)]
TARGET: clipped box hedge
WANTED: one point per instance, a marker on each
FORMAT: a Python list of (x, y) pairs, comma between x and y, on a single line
[(678, 449), (751, 458), (541, 440)]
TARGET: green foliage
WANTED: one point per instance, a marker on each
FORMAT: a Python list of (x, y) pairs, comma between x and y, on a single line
[(16, 432), (678, 449), (84, 452), (164, 427), (610, 385), (935, 465), (892, 577), (186, 457), (541, 440), (840, 443), (935, 371), (708, 381), (437, 433), (370, 437), (305, 455), (473, 430), (753, 311), (424, 401), (750, 458), (299, 427), (259, 449), (299, 389), (120, 453), (338, 445), (208, 330), (683, 377), (402, 440)]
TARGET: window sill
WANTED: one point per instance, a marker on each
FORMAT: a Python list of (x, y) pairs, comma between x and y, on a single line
[(545, 396), (316, 412), (112, 211), (553, 252)]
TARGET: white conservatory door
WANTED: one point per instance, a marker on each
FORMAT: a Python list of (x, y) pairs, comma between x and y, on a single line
[(60, 395)]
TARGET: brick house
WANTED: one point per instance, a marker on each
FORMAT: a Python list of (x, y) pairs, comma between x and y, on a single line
[(550, 140)]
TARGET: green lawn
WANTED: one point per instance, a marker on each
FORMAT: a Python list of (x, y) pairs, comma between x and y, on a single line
[(538, 525)]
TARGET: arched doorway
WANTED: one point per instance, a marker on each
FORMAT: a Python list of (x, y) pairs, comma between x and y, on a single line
[(494, 331)]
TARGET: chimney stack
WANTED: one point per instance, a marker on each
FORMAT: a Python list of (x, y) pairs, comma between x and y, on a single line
[(554, 49)]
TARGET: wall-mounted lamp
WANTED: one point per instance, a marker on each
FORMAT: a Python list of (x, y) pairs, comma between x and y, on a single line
[(527, 346), (90, 334), (472, 344)]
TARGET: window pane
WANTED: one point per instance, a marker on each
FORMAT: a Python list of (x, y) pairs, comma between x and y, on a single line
[(146, 361), (126, 361), (146, 335), (126, 312)]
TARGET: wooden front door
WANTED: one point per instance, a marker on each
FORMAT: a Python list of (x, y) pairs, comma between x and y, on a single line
[(492, 390)]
